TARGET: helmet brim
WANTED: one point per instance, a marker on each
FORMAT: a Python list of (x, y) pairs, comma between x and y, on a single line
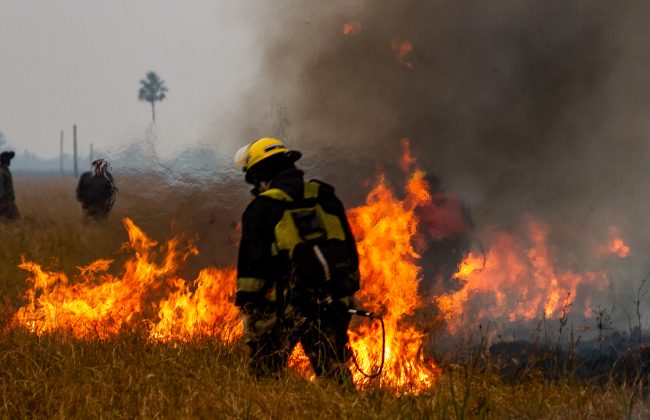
[(267, 169), (293, 155)]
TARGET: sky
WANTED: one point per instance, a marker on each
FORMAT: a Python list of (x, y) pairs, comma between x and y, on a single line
[(65, 62)]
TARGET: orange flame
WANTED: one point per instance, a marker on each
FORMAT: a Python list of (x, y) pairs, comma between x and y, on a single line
[(407, 160), (206, 311), (384, 229), (351, 28), (98, 304), (616, 245), (402, 49), (515, 281)]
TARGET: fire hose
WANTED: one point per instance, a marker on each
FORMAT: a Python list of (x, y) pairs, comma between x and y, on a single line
[(370, 315)]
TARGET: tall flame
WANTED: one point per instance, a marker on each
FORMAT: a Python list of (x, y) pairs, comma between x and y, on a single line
[(384, 229)]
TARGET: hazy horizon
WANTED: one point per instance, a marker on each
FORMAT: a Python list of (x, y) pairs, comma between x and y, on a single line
[(80, 62)]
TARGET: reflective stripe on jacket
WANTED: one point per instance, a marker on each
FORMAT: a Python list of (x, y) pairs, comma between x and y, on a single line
[(259, 270)]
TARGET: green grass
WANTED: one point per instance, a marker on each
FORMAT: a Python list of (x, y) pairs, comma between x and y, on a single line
[(128, 376)]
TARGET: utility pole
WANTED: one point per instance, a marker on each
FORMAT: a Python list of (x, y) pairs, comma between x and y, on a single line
[(74, 141), (61, 154), (91, 153)]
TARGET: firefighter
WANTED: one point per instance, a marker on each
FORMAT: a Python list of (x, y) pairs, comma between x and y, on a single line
[(446, 225), (96, 191), (297, 269), (8, 209)]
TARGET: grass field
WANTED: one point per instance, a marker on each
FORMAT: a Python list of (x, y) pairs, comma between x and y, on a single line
[(129, 376)]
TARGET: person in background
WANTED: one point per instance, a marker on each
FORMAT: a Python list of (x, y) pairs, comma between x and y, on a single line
[(96, 191), (8, 209), (446, 225)]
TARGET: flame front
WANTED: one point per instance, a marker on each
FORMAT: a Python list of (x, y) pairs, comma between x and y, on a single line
[(517, 277), (207, 311), (515, 280), (97, 304)]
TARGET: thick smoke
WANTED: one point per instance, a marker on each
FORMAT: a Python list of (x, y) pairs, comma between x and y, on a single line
[(519, 103), (522, 108)]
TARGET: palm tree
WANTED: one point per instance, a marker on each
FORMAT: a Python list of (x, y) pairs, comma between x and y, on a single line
[(152, 90)]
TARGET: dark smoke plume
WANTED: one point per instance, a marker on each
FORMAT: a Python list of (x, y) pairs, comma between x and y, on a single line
[(519, 107), (517, 102)]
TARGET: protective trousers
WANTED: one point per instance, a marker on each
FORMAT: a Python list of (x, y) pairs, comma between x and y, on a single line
[(322, 332)]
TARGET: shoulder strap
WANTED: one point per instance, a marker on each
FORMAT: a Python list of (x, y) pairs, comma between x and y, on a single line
[(310, 192), (276, 194)]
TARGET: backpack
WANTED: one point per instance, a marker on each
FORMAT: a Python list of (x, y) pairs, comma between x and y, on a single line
[(313, 245)]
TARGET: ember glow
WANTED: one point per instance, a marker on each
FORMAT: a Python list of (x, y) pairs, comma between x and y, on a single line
[(407, 161), (616, 245), (351, 28), (402, 49)]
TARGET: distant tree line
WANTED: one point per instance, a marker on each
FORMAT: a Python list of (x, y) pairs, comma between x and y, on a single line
[(193, 160)]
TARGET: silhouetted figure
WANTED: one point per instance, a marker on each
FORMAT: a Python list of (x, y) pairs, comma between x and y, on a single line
[(8, 209), (298, 267), (96, 191), (446, 225)]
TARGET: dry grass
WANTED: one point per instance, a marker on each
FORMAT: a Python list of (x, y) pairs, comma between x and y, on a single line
[(52, 230), (128, 376)]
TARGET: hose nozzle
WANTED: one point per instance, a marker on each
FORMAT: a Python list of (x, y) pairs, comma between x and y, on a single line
[(360, 312)]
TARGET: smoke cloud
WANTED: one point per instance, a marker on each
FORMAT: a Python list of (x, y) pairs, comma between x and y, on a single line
[(522, 108), (525, 102)]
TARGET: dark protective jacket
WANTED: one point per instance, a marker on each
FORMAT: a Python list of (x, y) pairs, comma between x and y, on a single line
[(8, 207), (259, 269), (6, 187), (93, 191)]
